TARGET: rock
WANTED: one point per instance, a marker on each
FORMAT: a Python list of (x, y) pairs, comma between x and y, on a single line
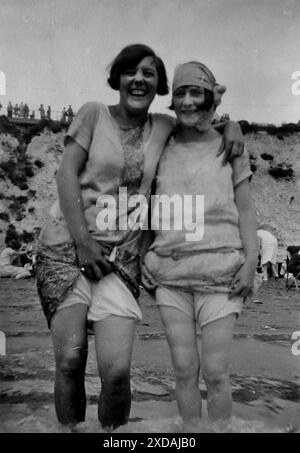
[(145, 387)]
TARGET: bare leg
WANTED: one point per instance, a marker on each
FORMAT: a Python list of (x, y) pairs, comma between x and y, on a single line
[(68, 330), (114, 341), (274, 270), (181, 336), (265, 271), (216, 341)]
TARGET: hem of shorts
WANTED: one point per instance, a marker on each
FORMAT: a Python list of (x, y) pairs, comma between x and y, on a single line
[(62, 306), (136, 319), (178, 308), (237, 312)]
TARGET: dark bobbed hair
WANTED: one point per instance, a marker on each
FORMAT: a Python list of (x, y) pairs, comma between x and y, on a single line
[(129, 58), (206, 104)]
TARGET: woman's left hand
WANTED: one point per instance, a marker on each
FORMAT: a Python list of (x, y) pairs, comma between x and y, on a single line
[(233, 142), (147, 279), (243, 281)]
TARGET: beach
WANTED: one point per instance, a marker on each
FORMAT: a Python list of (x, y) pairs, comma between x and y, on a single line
[(265, 368)]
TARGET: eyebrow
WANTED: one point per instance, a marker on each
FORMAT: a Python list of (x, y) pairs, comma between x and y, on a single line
[(190, 86)]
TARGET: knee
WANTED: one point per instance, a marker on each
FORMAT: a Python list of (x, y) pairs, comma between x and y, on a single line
[(186, 369), (215, 376), (116, 380), (71, 362)]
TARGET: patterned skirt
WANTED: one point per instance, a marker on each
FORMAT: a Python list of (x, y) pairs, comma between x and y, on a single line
[(57, 270)]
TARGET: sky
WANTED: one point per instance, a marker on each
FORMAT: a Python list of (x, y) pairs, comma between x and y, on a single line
[(56, 52)]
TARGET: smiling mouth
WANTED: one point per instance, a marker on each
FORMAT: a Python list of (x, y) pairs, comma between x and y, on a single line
[(137, 93)]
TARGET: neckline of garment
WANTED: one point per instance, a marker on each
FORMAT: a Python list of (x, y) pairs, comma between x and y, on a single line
[(126, 128), (193, 143)]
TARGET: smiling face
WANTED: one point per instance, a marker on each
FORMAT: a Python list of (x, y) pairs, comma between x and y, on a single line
[(188, 105), (138, 86)]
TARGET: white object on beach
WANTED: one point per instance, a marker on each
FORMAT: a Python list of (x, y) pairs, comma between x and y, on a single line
[(269, 247)]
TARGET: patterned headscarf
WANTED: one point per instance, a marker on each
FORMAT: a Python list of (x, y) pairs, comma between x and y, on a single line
[(193, 73)]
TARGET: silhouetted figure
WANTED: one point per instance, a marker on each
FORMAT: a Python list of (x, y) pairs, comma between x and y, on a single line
[(63, 115), (32, 116), (16, 111), (21, 114), (42, 112), (9, 109), (49, 112), (70, 114), (26, 111)]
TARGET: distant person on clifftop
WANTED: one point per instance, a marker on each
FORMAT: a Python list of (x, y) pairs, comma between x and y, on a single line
[(26, 111), (21, 110), (42, 112), (32, 115), (9, 109), (63, 115), (16, 111), (70, 114), (49, 112)]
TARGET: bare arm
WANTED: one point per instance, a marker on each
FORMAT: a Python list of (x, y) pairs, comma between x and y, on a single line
[(247, 219), (233, 141), (243, 281), (73, 161), (89, 252)]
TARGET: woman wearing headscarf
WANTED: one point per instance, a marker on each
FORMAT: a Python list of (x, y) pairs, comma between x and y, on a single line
[(203, 260)]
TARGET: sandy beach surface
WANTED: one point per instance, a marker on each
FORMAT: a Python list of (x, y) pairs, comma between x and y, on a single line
[(265, 368)]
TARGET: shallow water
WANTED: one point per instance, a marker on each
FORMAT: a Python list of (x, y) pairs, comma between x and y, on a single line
[(46, 423), (264, 372)]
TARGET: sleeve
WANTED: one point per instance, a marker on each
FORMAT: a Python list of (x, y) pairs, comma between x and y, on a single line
[(241, 168), (164, 125), (11, 254), (82, 127)]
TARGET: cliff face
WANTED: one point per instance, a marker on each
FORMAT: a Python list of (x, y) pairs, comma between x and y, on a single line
[(25, 201), (277, 199), (28, 188)]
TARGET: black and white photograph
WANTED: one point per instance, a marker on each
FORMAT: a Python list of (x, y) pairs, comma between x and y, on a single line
[(149, 219)]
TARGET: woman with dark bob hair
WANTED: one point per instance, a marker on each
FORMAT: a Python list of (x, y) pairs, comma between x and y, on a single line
[(88, 256), (130, 57)]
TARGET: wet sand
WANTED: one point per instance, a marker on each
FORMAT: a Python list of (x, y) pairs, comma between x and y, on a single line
[(264, 371)]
